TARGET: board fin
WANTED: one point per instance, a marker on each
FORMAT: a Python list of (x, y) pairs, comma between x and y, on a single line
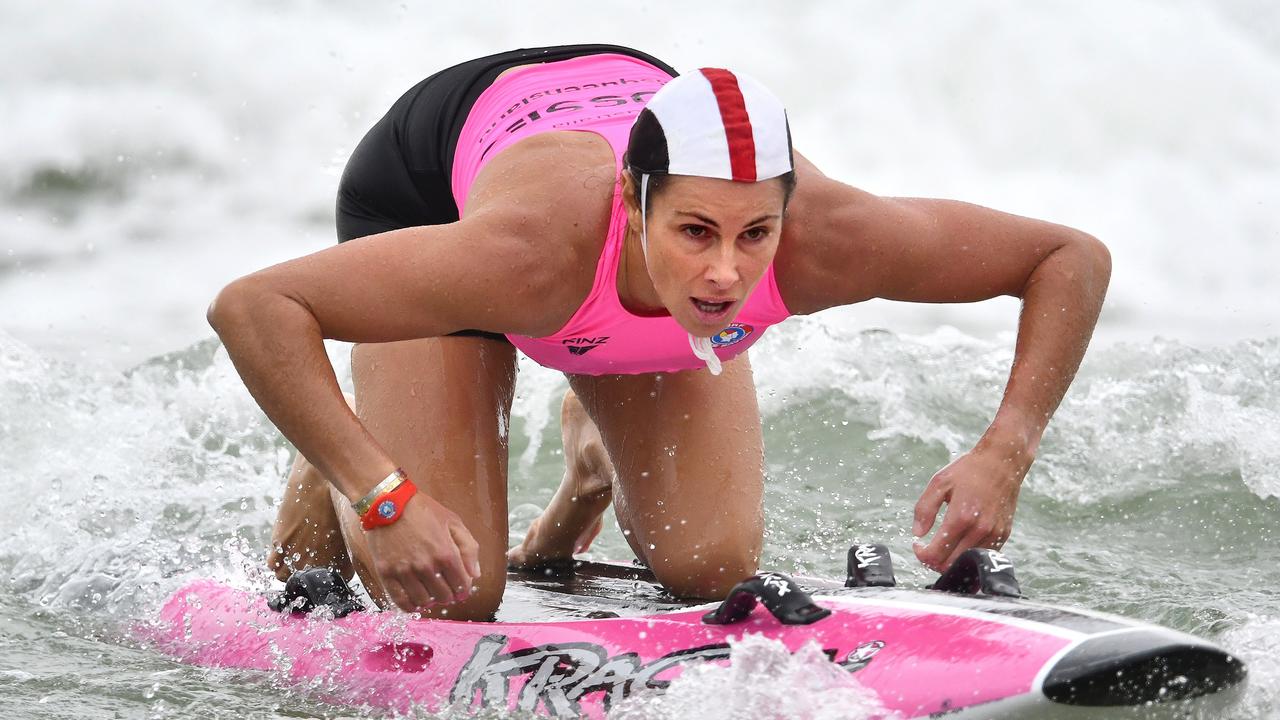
[(979, 570), (780, 595), (316, 587), (869, 565)]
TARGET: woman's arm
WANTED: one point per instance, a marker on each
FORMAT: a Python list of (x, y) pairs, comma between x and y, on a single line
[(418, 282), (919, 250), (411, 283), (519, 261)]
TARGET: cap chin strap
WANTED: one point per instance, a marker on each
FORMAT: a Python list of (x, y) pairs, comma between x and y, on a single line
[(706, 352), (644, 219), (702, 347)]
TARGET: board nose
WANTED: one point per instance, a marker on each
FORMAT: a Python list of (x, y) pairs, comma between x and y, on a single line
[(1141, 665)]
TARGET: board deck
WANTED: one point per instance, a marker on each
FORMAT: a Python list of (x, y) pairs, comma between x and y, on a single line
[(573, 641)]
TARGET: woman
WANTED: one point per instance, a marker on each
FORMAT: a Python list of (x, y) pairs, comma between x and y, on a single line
[(637, 256)]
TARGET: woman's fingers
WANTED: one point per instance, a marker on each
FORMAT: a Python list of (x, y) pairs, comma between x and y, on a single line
[(427, 558), (976, 537), (927, 507), (468, 550), (397, 593), (960, 532), (458, 579), (419, 597), (937, 553)]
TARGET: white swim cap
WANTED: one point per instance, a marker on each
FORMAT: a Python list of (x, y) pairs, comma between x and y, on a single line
[(712, 123)]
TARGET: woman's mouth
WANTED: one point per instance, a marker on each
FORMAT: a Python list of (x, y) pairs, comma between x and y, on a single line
[(712, 310)]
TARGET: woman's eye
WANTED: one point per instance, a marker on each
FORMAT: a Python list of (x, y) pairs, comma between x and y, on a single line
[(694, 231), (758, 233)]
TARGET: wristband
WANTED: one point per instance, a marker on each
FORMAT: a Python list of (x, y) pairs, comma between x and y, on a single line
[(388, 506), (388, 484)]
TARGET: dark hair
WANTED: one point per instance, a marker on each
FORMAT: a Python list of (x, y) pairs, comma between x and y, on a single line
[(658, 181)]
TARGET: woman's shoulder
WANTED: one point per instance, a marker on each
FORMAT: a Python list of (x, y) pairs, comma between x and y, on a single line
[(552, 196), (569, 167)]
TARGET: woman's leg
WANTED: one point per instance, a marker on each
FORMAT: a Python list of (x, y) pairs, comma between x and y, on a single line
[(307, 532), (440, 407), (573, 518), (689, 461)]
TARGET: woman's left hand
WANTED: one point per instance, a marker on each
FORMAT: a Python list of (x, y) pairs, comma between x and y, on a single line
[(980, 489)]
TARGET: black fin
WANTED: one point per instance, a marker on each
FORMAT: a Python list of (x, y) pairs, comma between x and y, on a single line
[(309, 589), (979, 570), (780, 595), (869, 565)]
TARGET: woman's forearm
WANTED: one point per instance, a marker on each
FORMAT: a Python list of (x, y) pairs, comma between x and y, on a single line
[(276, 345), (1060, 306)]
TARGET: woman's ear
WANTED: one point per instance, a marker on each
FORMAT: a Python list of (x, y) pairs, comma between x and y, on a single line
[(629, 194), (631, 199)]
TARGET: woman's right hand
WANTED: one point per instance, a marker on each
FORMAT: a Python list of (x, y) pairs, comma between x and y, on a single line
[(426, 558)]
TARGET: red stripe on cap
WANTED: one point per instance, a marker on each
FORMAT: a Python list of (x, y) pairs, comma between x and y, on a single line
[(737, 124)]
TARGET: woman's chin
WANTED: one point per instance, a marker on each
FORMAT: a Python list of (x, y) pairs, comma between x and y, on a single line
[(705, 327)]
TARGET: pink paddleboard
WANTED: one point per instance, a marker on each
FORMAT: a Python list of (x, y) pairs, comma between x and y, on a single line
[(920, 652)]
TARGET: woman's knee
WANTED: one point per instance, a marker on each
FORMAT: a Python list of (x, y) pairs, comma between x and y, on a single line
[(706, 571), (479, 607)]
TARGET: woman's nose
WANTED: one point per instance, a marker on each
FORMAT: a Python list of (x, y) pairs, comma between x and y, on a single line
[(723, 270)]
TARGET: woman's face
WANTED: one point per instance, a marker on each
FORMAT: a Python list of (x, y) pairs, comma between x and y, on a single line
[(710, 242)]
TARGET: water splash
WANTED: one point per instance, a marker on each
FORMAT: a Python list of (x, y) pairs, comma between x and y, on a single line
[(762, 680), (1137, 415), (147, 475), (1257, 642)]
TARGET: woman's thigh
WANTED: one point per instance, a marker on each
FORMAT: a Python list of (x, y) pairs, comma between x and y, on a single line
[(440, 407), (688, 455)]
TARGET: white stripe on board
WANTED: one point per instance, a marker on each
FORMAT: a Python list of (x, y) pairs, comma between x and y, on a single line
[(929, 609)]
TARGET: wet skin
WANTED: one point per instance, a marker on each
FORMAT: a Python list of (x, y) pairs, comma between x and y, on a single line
[(521, 260)]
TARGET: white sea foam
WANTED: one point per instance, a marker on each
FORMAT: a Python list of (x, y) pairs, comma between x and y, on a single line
[(762, 680), (1256, 641), (1137, 417)]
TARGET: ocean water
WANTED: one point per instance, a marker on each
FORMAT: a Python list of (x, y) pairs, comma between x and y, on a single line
[(153, 152)]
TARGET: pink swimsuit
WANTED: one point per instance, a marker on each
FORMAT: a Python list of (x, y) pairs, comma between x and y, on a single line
[(600, 94)]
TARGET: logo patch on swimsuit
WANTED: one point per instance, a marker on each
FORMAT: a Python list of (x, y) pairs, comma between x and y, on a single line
[(731, 335), (584, 345)]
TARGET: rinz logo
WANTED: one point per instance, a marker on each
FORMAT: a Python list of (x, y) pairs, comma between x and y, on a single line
[(735, 333), (584, 345), (559, 676)]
